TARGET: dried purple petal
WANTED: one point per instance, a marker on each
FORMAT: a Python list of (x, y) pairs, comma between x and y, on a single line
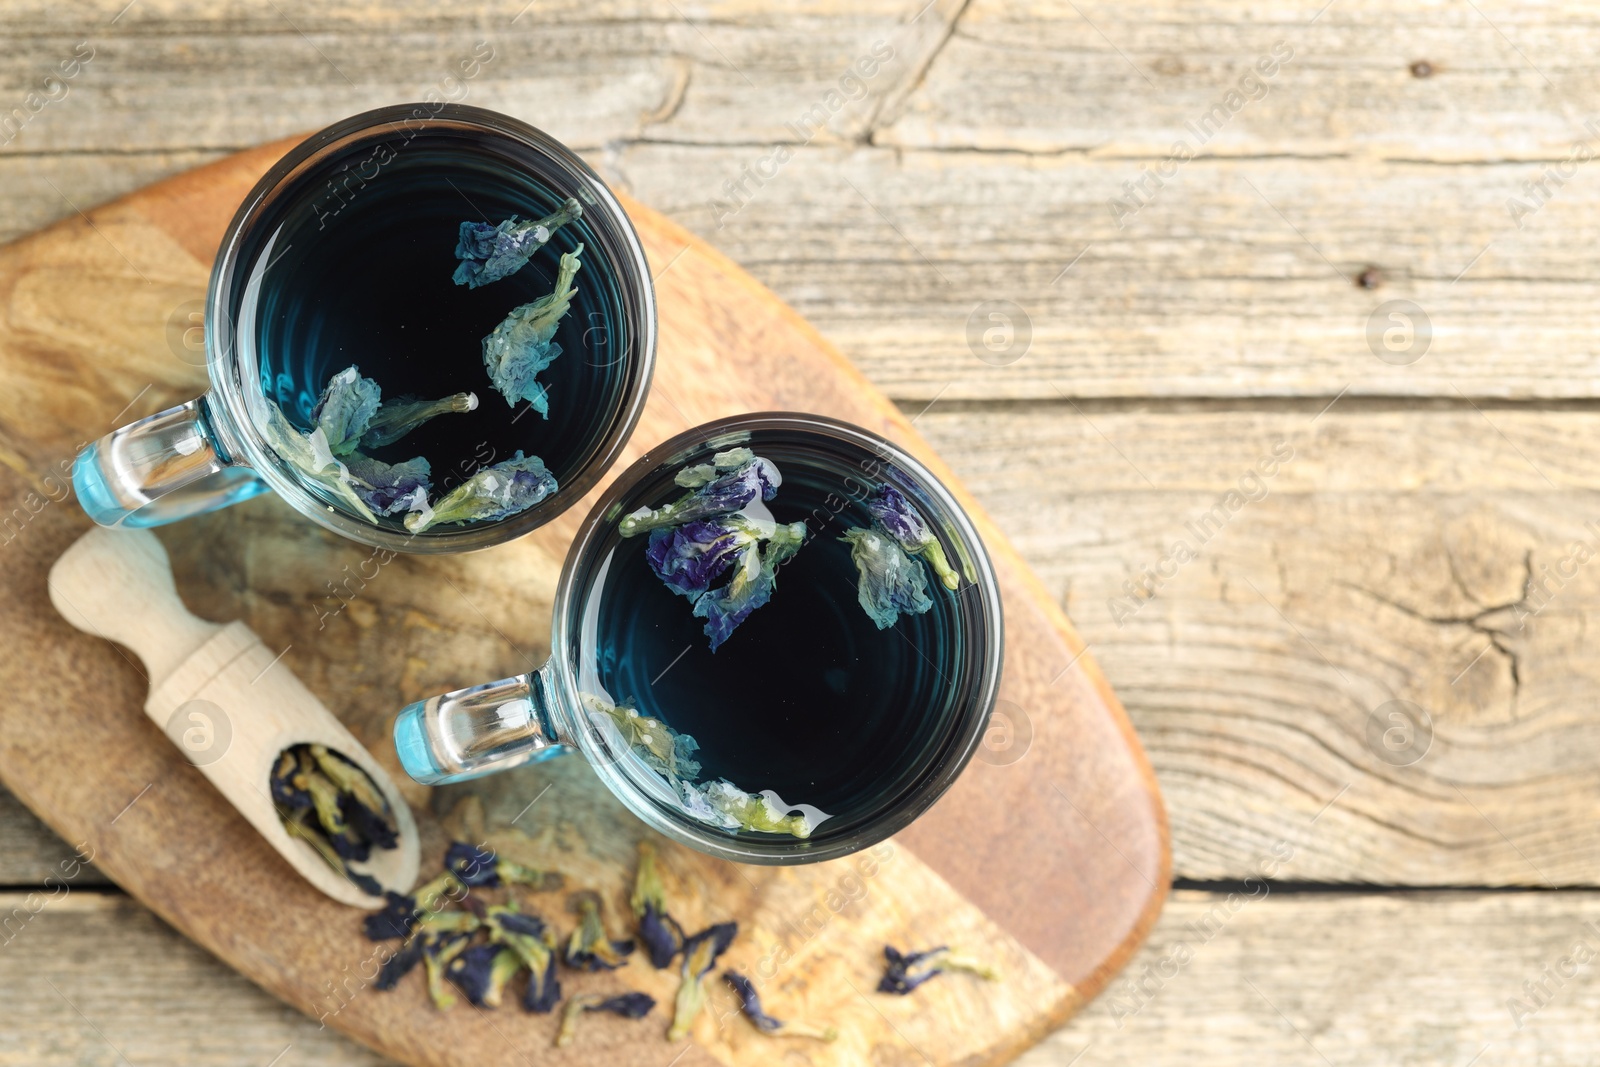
[(497, 492), (480, 868), (399, 965), (627, 1005), (589, 948), (905, 971), (722, 495), (481, 973), (660, 932), (750, 1004), (888, 582), (489, 253), (523, 344), (347, 404), (544, 989), (388, 488), (396, 418), (395, 919), (437, 952), (751, 586), (894, 516), (690, 557), (700, 954)]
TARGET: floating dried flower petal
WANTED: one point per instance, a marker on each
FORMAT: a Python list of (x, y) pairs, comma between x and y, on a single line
[(346, 406), (750, 1003), (481, 973), (396, 418), (700, 954), (888, 582), (489, 253), (754, 579), (504, 489), (310, 455), (662, 748), (724, 494), (660, 932), (754, 812), (905, 971), (387, 488), (523, 345), (895, 516), (589, 948)]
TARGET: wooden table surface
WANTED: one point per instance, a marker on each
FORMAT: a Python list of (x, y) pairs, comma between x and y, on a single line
[(1273, 501)]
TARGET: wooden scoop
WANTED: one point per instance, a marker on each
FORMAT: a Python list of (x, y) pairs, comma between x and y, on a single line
[(221, 697)]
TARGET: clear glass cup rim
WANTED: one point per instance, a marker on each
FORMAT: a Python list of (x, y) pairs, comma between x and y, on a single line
[(569, 603), (241, 445)]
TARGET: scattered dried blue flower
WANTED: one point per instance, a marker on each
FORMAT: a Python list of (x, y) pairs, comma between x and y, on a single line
[(700, 954), (660, 932), (481, 972), (478, 868), (544, 989), (589, 949), (523, 345), (627, 1005), (888, 582), (905, 971), (396, 918), (347, 405), (750, 1004), (737, 477), (437, 952), (895, 517), (399, 965), (396, 418), (489, 253), (497, 492)]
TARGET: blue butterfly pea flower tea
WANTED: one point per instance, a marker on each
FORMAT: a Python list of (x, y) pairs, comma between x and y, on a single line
[(435, 336)]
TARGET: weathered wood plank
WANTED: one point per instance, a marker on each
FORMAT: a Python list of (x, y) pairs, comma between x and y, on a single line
[(1336, 979), (1358, 976), (1388, 558), (94, 978)]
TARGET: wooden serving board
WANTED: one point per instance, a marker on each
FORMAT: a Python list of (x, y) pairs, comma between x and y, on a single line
[(1049, 857)]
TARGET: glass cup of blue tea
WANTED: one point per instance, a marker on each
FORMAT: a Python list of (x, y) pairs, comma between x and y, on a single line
[(430, 328), (777, 639)]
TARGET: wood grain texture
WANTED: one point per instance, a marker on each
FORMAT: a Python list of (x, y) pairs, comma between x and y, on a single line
[(1360, 977), (1061, 914)]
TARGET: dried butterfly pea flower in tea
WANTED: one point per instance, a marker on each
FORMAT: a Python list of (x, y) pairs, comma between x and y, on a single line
[(589, 949), (663, 750), (309, 454), (346, 406), (744, 477), (905, 971), (888, 581), (754, 579), (496, 492), (396, 418), (489, 252), (627, 1005), (660, 932), (895, 516), (700, 954), (523, 344), (750, 1004), (388, 488)]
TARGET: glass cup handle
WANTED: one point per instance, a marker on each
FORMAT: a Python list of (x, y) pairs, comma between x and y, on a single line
[(159, 470), (476, 731)]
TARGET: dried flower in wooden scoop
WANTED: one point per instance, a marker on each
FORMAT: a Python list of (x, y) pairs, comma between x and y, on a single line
[(750, 1004), (660, 932), (489, 253), (700, 954), (627, 1005), (905, 971), (330, 803), (589, 948)]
